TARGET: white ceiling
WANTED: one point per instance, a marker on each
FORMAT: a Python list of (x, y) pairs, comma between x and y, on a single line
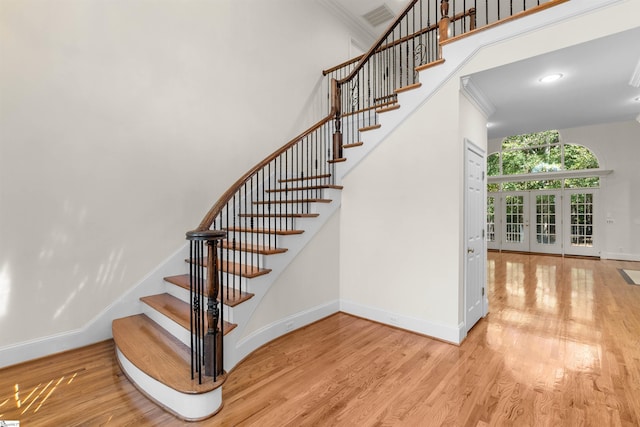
[(351, 12), (595, 87)]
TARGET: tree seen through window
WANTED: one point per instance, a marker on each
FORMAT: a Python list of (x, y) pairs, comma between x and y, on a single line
[(540, 152)]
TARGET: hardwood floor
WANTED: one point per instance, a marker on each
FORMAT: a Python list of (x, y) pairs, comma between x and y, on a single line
[(560, 347)]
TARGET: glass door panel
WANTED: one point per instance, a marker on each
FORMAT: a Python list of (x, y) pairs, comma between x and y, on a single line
[(515, 221), (492, 235), (546, 225), (580, 238)]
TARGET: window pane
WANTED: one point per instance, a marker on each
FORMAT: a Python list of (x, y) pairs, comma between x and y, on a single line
[(582, 219), (514, 226), (590, 182), (491, 222), (493, 164), (531, 140), (514, 186), (544, 185), (577, 157), (546, 222)]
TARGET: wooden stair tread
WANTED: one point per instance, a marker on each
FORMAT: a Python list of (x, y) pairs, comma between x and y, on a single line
[(429, 64), (310, 187), (159, 354), (252, 248), (305, 178), (368, 128), (177, 310), (406, 88), (338, 160), (275, 202), (277, 232), (285, 215), (238, 269), (389, 108), (231, 299), (355, 144)]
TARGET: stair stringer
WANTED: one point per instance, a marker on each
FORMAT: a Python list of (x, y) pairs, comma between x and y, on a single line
[(456, 55), (236, 345)]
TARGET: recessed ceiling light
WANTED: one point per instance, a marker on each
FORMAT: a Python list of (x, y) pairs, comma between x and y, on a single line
[(550, 78), (637, 99)]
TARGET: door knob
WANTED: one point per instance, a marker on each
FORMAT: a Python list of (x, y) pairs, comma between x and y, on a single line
[(470, 250)]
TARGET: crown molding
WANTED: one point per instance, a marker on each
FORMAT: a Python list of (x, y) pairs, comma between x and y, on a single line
[(475, 95)]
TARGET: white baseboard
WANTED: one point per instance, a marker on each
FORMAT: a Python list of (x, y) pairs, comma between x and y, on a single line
[(278, 328), (98, 329), (452, 334), (620, 256)]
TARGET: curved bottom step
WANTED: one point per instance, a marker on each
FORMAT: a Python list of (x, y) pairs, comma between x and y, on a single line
[(159, 365)]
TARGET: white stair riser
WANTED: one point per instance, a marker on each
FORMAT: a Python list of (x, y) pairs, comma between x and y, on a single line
[(270, 240), (279, 208), (169, 325), (187, 406), (245, 258), (183, 294), (293, 194)]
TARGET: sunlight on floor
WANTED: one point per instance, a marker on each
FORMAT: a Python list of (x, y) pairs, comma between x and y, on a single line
[(32, 400), (532, 358)]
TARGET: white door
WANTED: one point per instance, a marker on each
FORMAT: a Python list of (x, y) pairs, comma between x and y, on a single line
[(515, 221), (580, 236), (475, 251), (545, 232)]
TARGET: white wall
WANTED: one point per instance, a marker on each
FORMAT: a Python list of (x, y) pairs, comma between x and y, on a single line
[(400, 229), (401, 220), (121, 122), (617, 147), (308, 282)]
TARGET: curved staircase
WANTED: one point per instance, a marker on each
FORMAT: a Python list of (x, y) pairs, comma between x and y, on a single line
[(269, 215)]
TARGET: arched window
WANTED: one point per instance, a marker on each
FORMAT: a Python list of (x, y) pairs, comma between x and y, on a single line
[(537, 153)]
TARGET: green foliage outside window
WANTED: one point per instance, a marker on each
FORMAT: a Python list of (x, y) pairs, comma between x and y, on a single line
[(540, 152)]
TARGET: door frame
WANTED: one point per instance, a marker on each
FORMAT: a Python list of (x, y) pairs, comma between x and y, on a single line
[(482, 214)]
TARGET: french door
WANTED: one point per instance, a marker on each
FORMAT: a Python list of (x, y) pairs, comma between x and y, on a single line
[(543, 221), (580, 236)]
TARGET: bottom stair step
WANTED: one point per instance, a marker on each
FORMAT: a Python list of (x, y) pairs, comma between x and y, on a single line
[(159, 365)]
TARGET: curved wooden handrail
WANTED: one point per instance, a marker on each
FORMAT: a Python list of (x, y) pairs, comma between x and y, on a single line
[(387, 46), (206, 222), (344, 64)]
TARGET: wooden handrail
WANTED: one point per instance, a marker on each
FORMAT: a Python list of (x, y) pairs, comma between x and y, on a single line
[(206, 222), (344, 64), (385, 47)]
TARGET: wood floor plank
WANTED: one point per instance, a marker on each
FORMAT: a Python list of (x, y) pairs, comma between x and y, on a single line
[(560, 347)]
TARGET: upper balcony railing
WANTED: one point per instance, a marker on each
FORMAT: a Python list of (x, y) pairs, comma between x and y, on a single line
[(372, 81)]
